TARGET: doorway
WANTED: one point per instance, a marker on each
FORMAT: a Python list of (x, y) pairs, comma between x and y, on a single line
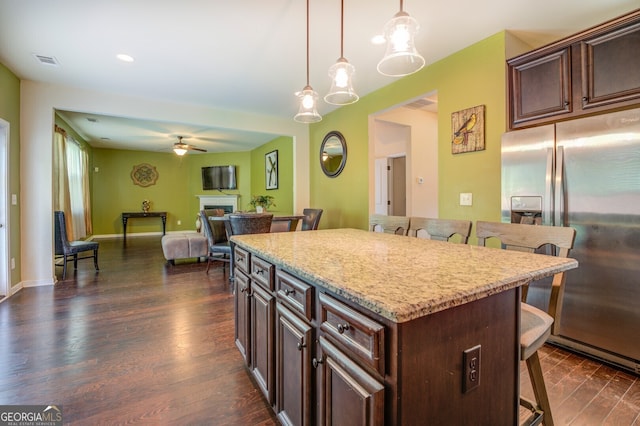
[(4, 217), (403, 159), (397, 170)]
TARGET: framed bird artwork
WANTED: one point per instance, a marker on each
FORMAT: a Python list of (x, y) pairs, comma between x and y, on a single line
[(467, 128)]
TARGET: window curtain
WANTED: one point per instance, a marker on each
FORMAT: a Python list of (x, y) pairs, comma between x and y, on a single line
[(71, 185)]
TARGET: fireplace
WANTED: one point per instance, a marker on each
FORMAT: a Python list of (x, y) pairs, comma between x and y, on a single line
[(227, 209), (229, 203)]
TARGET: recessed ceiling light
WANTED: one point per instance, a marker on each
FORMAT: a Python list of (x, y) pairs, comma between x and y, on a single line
[(124, 58)]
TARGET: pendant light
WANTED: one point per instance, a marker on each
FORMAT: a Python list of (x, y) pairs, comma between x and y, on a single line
[(401, 57), (341, 92), (307, 112)]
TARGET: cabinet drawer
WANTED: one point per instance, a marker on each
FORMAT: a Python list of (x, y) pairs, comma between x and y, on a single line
[(357, 333), (295, 293), (241, 259), (262, 272)]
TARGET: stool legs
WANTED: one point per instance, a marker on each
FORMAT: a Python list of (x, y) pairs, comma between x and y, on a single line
[(539, 389)]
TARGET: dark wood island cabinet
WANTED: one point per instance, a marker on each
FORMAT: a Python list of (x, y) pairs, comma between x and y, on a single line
[(353, 327)]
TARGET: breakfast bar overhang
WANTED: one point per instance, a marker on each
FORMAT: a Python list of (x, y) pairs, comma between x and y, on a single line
[(346, 326)]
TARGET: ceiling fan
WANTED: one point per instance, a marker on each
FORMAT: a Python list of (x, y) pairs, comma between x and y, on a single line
[(181, 148)]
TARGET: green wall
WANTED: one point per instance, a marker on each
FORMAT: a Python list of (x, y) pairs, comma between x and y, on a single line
[(178, 184), (283, 196), (473, 76), (10, 112)]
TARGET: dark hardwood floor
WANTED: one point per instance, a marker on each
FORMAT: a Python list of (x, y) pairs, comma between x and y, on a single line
[(139, 342), (147, 343)]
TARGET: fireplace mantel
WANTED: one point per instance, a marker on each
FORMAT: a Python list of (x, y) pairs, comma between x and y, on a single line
[(219, 200)]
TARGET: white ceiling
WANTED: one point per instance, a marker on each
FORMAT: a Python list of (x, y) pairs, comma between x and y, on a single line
[(246, 55)]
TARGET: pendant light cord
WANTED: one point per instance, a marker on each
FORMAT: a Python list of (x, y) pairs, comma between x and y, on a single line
[(307, 42), (342, 28), (401, 8)]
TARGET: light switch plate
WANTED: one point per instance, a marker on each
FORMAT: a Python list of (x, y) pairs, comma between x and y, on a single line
[(466, 199)]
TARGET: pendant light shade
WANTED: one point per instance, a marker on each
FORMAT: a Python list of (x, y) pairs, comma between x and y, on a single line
[(341, 91), (308, 98), (180, 151), (401, 57), (307, 112)]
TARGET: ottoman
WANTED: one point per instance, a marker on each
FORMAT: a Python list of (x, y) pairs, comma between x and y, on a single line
[(184, 246)]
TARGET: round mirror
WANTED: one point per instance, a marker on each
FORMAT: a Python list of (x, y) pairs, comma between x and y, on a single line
[(333, 153)]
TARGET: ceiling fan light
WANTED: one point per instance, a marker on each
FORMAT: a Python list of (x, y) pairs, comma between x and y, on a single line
[(341, 91), (180, 151), (307, 112), (401, 57)]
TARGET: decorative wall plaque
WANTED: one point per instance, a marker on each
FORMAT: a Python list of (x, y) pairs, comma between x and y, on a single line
[(144, 175), (467, 127)]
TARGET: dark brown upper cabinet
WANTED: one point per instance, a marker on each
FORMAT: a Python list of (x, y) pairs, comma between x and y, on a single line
[(590, 72)]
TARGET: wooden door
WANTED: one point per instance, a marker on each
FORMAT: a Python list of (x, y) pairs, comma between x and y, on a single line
[(350, 395), (262, 336), (294, 342), (242, 313)]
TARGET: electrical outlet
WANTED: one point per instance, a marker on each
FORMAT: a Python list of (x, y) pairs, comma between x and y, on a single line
[(179, 222), (470, 369), (13, 263)]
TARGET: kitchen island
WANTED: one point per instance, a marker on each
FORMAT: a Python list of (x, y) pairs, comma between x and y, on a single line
[(350, 327)]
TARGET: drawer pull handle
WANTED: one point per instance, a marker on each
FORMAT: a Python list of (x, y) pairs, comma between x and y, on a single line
[(301, 345), (259, 271), (342, 328), (241, 259), (317, 362), (288, 291)]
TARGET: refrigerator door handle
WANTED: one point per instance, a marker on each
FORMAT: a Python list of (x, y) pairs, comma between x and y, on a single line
[(559, 188), (548, 196)]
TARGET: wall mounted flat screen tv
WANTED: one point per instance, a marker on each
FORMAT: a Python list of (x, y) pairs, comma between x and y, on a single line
[(219, 177)]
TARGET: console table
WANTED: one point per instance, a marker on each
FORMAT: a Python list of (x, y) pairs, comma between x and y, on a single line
[(127, 215)]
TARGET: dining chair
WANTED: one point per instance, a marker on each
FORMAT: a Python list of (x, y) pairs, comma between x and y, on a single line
[(218, 248), (398, 225), (311, 219), (440, 229), (250, 223), (66, 250), (535, 324)]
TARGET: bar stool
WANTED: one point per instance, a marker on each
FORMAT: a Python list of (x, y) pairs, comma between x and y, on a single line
[(440, 229), (535, 324), (398, 225), (311, 219)]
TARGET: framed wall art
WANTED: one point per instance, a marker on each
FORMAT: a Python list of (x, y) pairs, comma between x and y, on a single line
[(144, 175), (467, 128), (271, 169)]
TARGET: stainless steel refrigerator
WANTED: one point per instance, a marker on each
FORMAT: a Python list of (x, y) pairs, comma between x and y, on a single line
[(585, 173)]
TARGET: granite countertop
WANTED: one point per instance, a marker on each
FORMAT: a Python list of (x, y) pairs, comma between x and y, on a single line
[(398, 277)]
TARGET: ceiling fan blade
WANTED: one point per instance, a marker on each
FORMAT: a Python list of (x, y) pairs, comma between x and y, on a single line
[(193, 148)]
